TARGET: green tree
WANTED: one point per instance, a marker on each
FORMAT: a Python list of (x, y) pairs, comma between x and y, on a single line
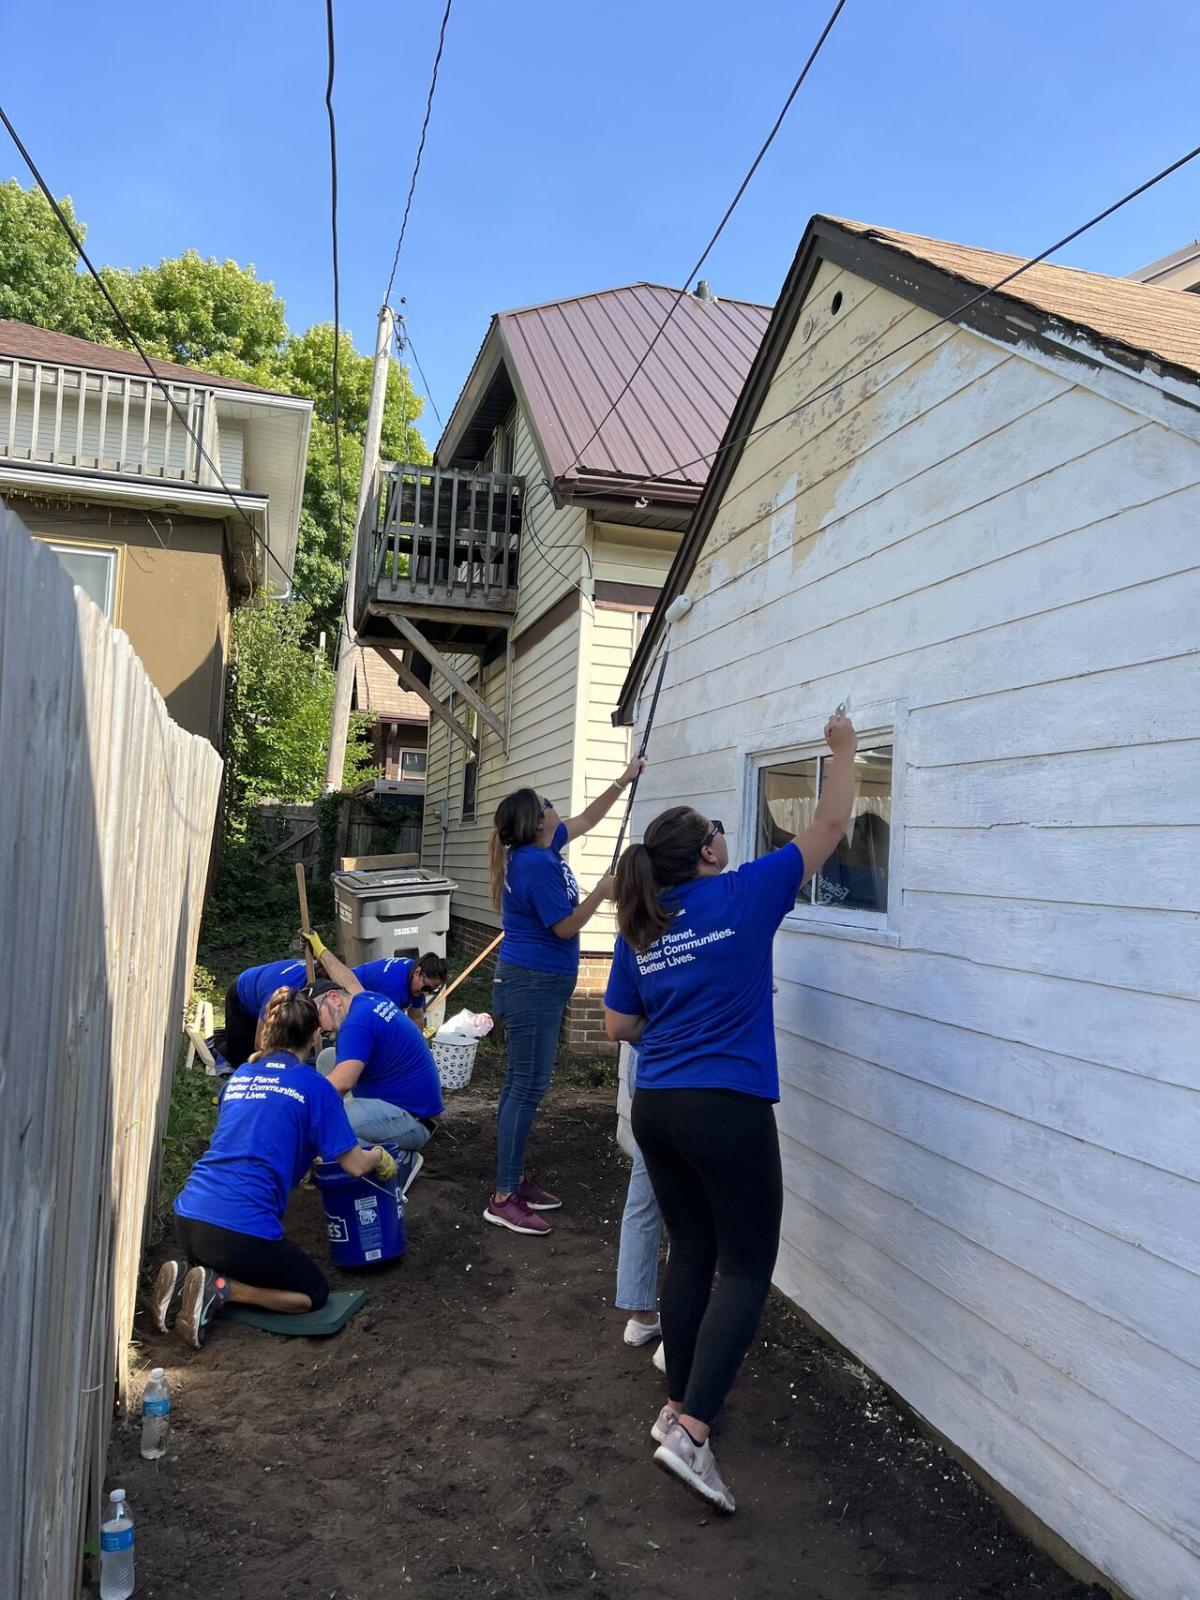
[(39, 282), (278, 705)]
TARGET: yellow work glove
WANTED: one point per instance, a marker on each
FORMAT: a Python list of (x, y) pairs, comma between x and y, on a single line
[(386, 1170), (315, 944)]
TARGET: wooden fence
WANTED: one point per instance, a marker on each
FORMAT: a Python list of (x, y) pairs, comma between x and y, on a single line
[(108, 810)]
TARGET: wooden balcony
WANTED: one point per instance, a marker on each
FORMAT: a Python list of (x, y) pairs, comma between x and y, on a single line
[(80, 420), (442, 550)]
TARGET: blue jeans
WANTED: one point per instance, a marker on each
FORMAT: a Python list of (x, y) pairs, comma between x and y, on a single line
[(380, 1122), (641, 1234), (532, 1006)]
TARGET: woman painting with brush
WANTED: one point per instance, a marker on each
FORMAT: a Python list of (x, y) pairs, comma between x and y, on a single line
[(536, 893), (691, 986)]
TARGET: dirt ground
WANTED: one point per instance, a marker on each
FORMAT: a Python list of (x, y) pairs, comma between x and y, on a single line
[(480, 1429)]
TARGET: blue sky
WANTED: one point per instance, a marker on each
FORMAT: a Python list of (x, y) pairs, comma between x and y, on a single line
[(574, 146)]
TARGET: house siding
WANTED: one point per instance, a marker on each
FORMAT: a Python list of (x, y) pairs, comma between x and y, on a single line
[(989, 1119), (172, 597)]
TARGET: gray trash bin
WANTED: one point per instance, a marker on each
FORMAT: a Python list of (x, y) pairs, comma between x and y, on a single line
[(396, 911)]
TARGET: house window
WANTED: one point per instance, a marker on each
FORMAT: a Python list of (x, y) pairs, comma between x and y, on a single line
[(854, 880), (412, 763), (92, 569)]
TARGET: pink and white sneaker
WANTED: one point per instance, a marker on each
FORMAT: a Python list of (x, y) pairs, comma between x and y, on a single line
[(514, 1215), (663, 1424), (695, 1467), (537, 1198)]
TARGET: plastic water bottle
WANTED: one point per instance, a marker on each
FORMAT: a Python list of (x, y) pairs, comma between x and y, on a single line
[(156, 1416), (116, 1550)]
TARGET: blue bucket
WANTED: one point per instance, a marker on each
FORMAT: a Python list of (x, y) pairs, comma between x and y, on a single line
[(364, 1217)]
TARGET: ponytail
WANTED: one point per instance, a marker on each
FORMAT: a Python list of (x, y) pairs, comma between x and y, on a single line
[(670, 856), (290, 1021), (517, 820)]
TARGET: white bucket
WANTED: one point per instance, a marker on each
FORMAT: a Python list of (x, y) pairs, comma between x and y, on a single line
[(455, 1061)]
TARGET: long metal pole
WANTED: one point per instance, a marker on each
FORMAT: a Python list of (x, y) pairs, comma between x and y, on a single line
[(645, 745), (340, 722)]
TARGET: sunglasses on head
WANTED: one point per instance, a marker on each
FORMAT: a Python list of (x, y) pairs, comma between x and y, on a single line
[(547, 805), (714, 828)]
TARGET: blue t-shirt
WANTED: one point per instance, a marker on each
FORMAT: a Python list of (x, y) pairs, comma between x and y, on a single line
[(277, 1114), (393, 977), (398, 1065), (705, 986), (257, 984), (539, 890)]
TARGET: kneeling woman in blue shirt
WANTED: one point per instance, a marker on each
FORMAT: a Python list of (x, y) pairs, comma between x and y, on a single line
[(535, 892), (691, 985), (277, 1115)]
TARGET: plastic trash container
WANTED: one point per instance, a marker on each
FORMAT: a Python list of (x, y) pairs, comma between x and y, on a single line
[(402, 911)]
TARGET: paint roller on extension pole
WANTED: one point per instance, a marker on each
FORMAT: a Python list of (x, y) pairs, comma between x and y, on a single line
[(679, 607)]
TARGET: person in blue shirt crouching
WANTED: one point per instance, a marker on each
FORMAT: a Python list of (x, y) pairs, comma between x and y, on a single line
[(246, 1003), (278, 1114), (691, 986), (382, 1063), (537, 896), (411, 985)]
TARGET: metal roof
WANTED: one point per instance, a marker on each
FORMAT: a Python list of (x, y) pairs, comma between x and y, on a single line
[(569, 360)]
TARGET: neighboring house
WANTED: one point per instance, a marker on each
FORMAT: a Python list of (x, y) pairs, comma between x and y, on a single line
[(511, 580), (98, 465), (400, 734), (1180, 270), (987, 1007)]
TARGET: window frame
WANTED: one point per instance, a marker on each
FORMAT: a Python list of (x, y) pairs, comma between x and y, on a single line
[(470, 759), (878, 723), (412, 750), (83, 547)]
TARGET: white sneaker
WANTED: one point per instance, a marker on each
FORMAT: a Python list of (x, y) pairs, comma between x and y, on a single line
[(637, 1333), (695, 1467), (660, 1359), (663, 1423)]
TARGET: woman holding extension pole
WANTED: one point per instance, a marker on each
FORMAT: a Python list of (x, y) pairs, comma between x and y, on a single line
[(535, 891), (691, 985)]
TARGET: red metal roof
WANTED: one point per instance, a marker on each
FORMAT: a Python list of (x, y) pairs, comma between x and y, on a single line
[(571, 358), (27, 343)]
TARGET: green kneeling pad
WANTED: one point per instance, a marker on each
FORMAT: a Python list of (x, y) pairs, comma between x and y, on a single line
[(332, 1317)]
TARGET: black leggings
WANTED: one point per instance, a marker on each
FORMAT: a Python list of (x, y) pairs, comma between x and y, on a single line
[(258, 1263), (240, 1028), (713, 1159)]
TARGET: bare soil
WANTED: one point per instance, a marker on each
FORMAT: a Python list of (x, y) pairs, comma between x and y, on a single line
[(480, 1429)]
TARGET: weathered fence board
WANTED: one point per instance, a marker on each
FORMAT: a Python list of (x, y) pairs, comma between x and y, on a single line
[(108, 811)]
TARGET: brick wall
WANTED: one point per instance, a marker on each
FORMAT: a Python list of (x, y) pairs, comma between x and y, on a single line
[(583, 1025)]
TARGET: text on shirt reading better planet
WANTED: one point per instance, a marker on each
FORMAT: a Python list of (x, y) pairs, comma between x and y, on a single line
[(258, 1088), (677, 949)]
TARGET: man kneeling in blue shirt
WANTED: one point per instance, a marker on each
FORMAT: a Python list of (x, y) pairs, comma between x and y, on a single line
[(384, 1068)]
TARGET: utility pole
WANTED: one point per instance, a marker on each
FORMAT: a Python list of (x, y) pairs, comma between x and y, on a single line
[(340, 724)]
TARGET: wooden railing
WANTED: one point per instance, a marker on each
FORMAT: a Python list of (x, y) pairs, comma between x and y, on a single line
[(445, 536), (102, 422)]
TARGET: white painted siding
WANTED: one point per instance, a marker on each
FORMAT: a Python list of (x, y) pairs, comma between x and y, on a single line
[(990, 1127)]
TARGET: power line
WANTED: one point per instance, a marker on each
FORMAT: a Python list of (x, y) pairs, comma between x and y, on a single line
[(437, 61), (77, 243), (720, 228), (424, 379), (942, 321)]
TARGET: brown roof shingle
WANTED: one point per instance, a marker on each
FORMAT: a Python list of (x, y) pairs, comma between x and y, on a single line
[(571, 359), (376, 689), (1160, 323), (28, 343)]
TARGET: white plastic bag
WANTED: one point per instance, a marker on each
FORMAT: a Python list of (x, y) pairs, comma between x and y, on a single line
[(464, 1025)]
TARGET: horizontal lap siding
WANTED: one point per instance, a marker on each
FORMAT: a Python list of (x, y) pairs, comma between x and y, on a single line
[(989, 1132)]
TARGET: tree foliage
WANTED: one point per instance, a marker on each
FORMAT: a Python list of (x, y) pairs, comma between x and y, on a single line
[(277, 713)]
